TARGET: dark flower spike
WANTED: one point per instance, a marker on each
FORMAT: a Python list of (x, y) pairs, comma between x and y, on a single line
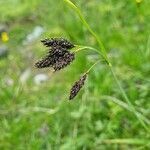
[(57, 51), (57, 42), (58, 58), (45, 62), (64, 61), (77, 86)]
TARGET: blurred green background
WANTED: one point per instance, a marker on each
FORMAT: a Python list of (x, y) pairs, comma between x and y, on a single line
[(35, 112)]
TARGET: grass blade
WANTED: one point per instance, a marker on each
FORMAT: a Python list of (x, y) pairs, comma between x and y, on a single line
[(103, 50)]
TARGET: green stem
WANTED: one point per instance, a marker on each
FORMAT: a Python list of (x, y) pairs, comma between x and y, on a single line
[(125, 106), (102, 48), (90, 30), (87, 47), (132, 109), (124, 141), (127, 100), (92, 66), (138, 115)]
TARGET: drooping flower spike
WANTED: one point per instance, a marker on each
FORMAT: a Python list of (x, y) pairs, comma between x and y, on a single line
[(57, 42), (77, 86), (58, 55)]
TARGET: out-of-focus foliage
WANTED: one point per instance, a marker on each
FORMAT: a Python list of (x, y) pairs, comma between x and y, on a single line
[(35, 112)]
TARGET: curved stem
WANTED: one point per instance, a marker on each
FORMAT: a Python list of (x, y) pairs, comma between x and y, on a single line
[(88, 47), (125, 106), (118, 83), (103, 50), (92, 66), (90, 30), (127, 100)]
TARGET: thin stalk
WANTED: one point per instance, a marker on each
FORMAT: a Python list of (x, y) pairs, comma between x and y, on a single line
[(138, 114), (125, 106), (77, 10), (128, 101), (92, 67), (104, 54), (132, 109), (87, 47), (124, 141)]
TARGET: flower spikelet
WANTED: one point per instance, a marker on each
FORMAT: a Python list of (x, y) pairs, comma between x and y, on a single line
[(77, 86)]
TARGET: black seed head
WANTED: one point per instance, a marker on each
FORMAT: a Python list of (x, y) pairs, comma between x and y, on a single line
[(65, 43), (64, 61), (57, 50), (58, 58), (77, 86), (58, 55), (45, 62), (57, 42)]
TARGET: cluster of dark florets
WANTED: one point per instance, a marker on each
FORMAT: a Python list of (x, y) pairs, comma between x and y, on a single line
[(58, 55), (77, 86), (53, 42)]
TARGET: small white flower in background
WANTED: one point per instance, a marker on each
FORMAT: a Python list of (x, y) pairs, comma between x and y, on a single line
[(9, 81), (35, 34), (40, 78), (25, 75), (44, 129)]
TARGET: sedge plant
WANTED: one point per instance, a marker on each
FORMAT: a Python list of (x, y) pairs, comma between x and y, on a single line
[(102, 52), (59, 56)]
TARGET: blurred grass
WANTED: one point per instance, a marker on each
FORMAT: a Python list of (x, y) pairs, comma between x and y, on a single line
[(40, 116)]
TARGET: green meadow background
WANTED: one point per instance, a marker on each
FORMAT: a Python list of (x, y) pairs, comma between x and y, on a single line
[(37, 115)]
